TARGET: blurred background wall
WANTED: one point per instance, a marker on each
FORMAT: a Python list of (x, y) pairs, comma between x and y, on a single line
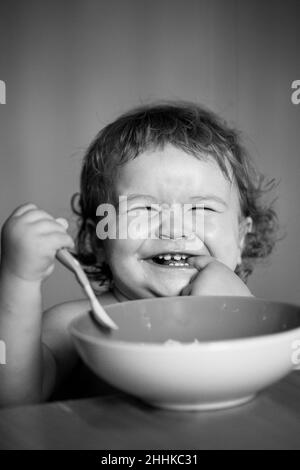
[(71, 66)]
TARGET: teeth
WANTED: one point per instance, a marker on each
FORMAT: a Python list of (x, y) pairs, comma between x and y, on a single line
[(174, 260), (176, 257)]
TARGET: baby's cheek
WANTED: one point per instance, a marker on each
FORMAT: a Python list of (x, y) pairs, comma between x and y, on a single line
[(121, 249), (138, 225), (221, 241)]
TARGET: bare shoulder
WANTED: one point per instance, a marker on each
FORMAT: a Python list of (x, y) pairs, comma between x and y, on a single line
[(61, 315), (66, 311), (55, 332)]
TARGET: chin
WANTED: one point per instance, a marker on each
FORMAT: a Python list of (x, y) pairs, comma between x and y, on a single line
[(173, 290), (153, 291), (147, 285)]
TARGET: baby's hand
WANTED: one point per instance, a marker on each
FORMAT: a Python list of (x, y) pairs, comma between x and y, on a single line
[(214, 278), (30, 240)]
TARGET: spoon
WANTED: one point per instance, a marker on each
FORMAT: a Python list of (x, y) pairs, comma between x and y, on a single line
[(99, 314)]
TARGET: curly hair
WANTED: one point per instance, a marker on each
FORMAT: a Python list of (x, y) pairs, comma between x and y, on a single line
[(198, 132)]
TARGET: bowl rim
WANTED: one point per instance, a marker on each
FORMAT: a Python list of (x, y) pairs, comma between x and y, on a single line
[(216, 345)]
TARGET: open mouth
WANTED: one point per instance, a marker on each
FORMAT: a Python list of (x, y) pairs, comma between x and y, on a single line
[(171, 259)]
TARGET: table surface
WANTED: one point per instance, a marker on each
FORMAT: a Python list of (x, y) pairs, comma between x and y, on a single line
[(118, 421)]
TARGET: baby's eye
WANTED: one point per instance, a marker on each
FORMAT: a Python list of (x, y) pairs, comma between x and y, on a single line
[(203, 208), (144, 208)]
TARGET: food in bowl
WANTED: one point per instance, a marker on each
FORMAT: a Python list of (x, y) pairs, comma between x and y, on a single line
[(192, 353)]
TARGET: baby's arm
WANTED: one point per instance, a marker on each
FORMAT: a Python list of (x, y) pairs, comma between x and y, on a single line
[(30, 240), (214, 278)]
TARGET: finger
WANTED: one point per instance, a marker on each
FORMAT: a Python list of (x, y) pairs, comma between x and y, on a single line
[(50, 270), (200, 262), (63, 222), (35, 215), (44, 226), (23, 209), (60, 240)]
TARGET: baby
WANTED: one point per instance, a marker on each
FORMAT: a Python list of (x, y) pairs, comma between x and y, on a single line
[(179, 178)]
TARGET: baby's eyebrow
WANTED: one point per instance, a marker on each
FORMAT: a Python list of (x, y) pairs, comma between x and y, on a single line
[(210, 197), (204, 197), (131, 197)]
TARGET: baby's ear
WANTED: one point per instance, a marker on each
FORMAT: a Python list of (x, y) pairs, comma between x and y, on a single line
[(245, 227)]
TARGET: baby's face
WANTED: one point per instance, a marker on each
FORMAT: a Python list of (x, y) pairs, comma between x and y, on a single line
[(172, 178)]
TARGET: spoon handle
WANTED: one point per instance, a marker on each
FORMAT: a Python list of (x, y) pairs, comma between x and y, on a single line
[(73, 265)]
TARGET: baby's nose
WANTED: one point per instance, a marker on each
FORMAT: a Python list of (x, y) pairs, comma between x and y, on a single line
[(172, 225)]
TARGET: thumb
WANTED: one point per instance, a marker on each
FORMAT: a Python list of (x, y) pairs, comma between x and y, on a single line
[(200, 262)]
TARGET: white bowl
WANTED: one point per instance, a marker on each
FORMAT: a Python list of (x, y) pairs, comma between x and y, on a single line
[(223, 350)]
